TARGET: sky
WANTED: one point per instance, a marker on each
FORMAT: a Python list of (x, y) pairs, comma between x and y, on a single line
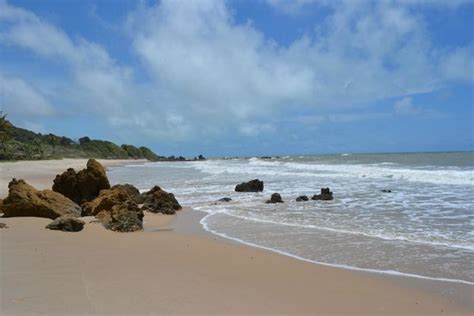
[(242, 77)]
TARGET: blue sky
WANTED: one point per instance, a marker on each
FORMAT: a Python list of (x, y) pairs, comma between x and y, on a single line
[(243, 77)]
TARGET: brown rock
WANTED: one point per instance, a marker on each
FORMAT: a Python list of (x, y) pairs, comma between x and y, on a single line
[(24, 200), (108, 198), (3, 225), (159, 201), (123, 217), (66, 223), (84, 185)]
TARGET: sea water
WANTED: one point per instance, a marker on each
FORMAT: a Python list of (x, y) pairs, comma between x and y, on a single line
[(423, 228)]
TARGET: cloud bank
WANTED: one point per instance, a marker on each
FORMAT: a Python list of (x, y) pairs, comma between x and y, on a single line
[(206, 75)]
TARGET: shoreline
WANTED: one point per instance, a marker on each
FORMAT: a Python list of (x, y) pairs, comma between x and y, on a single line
[(175, 266), (451, 288), (392, 273)]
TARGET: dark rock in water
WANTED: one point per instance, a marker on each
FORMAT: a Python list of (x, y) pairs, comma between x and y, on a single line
[(117, 194), (225, 199), (386, 191), (24, 200), (66, 223), (275, 198), (302, 198), (251, 186), (123, 217), (84, 185), (159, 201), (3, 225), (326, 195), (201, 157)]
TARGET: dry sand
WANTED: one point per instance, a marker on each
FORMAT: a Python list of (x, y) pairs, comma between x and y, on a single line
[(170, 268), (41, 173)]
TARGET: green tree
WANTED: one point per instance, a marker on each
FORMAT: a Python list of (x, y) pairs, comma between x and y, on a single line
[(38, 147), (53, 140), (5, 136)]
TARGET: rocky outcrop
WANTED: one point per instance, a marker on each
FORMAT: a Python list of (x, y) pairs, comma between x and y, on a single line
[(275, 198), (118, 194), (3, 225), (123, 217), (159, 201), (302, 198), (326, 195), (251, 186), (386, 191), (24, 200), (66, 223), (84, 185), (225, 199)]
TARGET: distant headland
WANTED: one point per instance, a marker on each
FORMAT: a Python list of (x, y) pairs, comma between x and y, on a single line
[(21, 144)]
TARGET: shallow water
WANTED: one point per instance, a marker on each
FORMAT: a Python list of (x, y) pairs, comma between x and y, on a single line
[(424, 227)]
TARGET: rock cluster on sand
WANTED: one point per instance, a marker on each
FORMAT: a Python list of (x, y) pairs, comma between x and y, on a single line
[(326, 195), (118, 194), (66, 223), (24, 200), (158, 200), (84, 185), (3, 225), (119, 208), (275, 198), (251, 186)]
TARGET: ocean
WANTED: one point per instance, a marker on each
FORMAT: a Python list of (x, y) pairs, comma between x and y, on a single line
[(423, 228)]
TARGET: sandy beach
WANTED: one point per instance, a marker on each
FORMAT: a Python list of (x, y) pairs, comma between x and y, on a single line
[(173, 267)]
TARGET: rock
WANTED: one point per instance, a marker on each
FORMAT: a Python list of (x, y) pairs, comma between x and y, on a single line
[(386, 191), (159, 201), (84, 185), (24, 200), (130, 189), (251, 186), (118, 194), (66, 223), (3, 225), (123, 217), (302, 198), (275, 198), (225, 199), (326, 195)]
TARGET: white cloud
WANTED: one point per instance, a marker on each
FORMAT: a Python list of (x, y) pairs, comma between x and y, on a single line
[(405, 107), (19, 98), (459, 65), (210, 74)]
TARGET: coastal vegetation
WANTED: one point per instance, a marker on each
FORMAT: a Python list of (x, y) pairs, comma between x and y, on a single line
[(21, 144)]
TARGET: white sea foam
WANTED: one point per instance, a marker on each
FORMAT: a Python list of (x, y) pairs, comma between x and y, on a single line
[(261, 167)]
